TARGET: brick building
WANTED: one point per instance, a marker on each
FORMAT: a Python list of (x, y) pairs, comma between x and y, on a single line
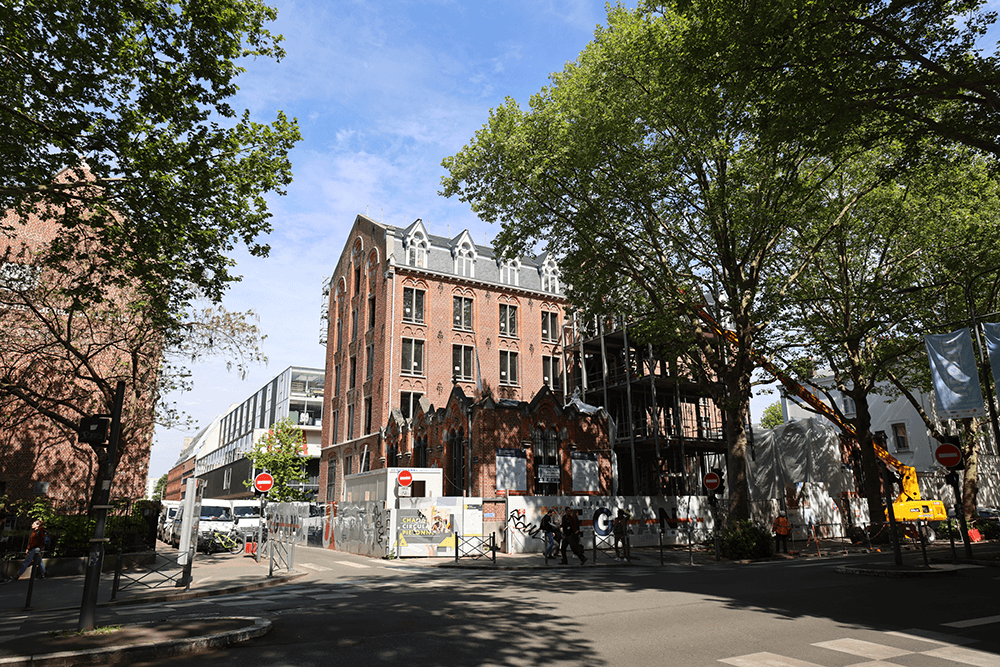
[(50, 355), (413, 318)]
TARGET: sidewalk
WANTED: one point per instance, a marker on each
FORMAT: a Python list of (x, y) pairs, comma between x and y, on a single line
[(54, 613)]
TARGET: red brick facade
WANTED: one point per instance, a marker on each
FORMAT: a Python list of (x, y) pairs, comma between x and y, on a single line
[(455, 315), (39, 456)]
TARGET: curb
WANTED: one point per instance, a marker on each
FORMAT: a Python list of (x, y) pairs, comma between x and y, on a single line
[(892, 572), (153, 649)]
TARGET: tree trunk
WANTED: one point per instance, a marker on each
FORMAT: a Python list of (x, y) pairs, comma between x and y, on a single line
[(970, 476)]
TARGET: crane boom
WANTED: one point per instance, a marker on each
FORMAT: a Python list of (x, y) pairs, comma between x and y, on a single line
[(908, 505)]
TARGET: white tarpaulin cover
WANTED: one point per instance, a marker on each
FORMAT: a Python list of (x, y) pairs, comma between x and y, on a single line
[(801, 458)]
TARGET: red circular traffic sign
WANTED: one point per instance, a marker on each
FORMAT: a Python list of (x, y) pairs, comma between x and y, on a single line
[(404, 477), (948, 455), (263, 482), (712, 481)]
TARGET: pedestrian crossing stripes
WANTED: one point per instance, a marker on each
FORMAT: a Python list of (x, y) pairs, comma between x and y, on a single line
[(350, 564), (973, 622), (896, 645)]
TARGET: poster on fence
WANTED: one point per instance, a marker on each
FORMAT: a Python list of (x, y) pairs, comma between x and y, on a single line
[(427, 526)]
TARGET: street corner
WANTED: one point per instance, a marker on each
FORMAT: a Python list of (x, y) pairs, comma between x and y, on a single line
[(130, 642)]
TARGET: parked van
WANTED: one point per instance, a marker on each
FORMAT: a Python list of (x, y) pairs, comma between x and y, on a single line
[(246, 513), (168, 510), (216, 515)]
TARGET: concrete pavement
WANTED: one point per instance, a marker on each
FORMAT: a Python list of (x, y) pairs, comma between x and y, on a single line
[(57, 599)]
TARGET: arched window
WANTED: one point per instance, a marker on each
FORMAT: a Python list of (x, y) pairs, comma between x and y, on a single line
[(465, 263), (510, 271), (416, 250), (550, 277)]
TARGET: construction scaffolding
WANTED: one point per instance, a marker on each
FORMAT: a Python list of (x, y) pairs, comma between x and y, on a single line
[(667, 433)]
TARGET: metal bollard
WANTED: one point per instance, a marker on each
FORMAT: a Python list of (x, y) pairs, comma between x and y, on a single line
[(35, 563), (458, 541), (493, 547), (118, 575)]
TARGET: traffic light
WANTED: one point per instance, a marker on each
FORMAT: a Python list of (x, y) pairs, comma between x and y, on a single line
[(722, 481)]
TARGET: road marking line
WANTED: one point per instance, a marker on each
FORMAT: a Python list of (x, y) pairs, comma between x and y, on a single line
[(765, 659), (862, 648), (973, 622), (332, 596), (966, 656), (350, 564), (318, 568), (932, 637)]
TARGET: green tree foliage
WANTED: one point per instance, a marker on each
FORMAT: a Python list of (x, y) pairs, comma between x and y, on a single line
[(647, 179), (772, 417), (160, 488), (282, 452), (873, 288), (117, 126), (860, 70)]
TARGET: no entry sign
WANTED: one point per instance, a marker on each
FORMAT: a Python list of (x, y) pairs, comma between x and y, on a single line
[(948, 455), (263, 482), (712, 481), (404, 477)]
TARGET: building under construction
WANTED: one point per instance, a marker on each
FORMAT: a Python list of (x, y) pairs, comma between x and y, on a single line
[(667, 432)]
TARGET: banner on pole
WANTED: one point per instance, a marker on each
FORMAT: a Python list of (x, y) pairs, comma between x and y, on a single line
[(992, 335), (954, 374)]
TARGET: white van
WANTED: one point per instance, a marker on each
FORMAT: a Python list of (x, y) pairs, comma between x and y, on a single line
[(246, 513), (168, 510), (216, 515)]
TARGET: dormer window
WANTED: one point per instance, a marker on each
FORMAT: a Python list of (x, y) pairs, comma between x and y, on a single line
[(550, 277), (465, 261), (509, 272), (416, 251)]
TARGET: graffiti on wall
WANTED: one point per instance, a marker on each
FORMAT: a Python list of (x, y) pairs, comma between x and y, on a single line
[(517, 520), (358, 528)]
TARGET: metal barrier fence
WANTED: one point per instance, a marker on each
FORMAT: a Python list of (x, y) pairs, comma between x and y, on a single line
[(605, 544), (477, 546), (137, 570)]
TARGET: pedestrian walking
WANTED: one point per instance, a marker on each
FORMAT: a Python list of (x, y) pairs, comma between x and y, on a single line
[(35, 544), (553, 536), (781, 529), (571, 536), (618, 528)]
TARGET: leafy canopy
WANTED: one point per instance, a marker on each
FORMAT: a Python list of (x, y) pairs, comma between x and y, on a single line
[(281, 452), (117, 128)]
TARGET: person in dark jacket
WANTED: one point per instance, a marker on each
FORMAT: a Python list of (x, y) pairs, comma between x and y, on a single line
[(571, 536), (35, 544), (553, 535)]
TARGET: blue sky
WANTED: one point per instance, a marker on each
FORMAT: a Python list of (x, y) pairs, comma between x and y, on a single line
[(383, 91)]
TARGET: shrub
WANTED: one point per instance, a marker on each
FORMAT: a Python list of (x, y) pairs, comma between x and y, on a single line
[(745, 539), (988, 528)]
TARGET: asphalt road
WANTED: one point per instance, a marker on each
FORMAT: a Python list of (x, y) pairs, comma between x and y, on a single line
[(354, 611)]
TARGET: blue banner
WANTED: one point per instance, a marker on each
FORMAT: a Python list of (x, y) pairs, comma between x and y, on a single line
[(992, 334), (954, 375)]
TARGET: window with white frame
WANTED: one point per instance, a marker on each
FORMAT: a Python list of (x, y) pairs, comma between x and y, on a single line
[(413, 305), (462, 311), (509, 272), (461, 362), (550, 326), (899, 437), (550, 372), (465, 261), (508, 320), (550, 277), (850, 408), (413, 357), (508, 367), (416, 251)]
